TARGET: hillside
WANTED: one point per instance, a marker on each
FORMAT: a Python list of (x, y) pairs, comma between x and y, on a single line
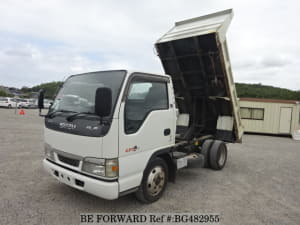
[(50, 88), (264, 91), (243, 91), (4, 94)]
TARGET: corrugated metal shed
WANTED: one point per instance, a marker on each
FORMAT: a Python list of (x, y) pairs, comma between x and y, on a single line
[(270, 116), (270, 100)]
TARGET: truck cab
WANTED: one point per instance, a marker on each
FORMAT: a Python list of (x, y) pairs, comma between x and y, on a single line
[(106, 154), (110, 133)]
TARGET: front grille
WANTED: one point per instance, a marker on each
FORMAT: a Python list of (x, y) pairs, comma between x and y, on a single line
[(72, 162)]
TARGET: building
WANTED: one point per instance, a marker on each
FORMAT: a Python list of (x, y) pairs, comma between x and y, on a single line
[(270, 116)]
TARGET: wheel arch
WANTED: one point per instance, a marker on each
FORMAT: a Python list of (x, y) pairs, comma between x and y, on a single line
[(166, 155)]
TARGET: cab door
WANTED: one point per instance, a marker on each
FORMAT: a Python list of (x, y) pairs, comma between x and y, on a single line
[(146, 124)]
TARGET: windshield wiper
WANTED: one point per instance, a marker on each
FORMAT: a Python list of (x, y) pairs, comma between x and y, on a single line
[(73, 116), (51, 115)]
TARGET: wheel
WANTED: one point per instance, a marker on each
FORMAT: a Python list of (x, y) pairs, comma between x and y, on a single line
[(218, 155), (154, 181), (9, 106), (205, 151)]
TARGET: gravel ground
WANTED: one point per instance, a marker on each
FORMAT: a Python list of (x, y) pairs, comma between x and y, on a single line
[(259, 185)]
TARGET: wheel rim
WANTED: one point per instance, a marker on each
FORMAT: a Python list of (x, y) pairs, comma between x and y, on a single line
[(156, 180), (222, 157)]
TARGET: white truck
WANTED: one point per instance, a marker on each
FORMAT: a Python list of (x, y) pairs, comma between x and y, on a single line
[(116, 132)]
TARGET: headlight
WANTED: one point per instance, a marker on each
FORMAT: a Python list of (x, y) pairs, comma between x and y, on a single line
[(49, 154), (101, 167), (94, 166)]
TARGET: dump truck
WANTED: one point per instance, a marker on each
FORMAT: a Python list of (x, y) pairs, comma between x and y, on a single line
[(111, 133)]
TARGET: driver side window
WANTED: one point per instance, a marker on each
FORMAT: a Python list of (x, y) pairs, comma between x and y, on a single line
[(142, 98)]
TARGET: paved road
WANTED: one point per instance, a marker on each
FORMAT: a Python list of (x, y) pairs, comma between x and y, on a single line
[(259, 185)]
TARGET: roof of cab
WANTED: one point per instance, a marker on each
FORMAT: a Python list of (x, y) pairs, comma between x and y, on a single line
[(155, 74), (128, 72)]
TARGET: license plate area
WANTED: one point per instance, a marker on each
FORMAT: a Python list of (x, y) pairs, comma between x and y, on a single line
[(68, 179), (63, 177)]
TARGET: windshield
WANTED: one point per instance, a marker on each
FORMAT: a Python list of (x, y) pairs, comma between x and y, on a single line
[(78, 92)]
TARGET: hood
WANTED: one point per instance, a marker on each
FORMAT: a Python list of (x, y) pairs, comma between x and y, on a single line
[(81, 146)]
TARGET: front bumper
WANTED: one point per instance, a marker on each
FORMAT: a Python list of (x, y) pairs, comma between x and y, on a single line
[(102, 189)]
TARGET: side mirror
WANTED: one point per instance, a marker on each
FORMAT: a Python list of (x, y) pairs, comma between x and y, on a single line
[(103, 101)]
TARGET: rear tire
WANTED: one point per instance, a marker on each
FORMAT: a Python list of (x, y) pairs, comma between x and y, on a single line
[(205, 151), (9, 106), (154, 181), (218, 155)]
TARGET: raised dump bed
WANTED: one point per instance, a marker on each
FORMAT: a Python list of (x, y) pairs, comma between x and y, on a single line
[(194, 52)]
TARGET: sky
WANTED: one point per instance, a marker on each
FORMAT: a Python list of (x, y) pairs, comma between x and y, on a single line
[(43, 41)]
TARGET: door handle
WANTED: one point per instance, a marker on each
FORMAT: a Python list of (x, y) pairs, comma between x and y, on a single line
[(167, 131)]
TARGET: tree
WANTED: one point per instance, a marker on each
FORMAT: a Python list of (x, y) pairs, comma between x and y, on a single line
[(264, 91), (50, 88), (25, 89), (4, 94)]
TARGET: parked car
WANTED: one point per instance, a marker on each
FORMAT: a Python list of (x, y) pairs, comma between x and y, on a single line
[(7, 102), (23, 103), (26, 103), (32, 103), (47, 103)]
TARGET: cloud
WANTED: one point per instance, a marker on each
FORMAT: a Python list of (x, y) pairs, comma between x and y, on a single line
[(275, 62), (18, 53), (42, 41)]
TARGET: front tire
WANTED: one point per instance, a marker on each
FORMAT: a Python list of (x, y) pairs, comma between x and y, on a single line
[(154, 181)]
